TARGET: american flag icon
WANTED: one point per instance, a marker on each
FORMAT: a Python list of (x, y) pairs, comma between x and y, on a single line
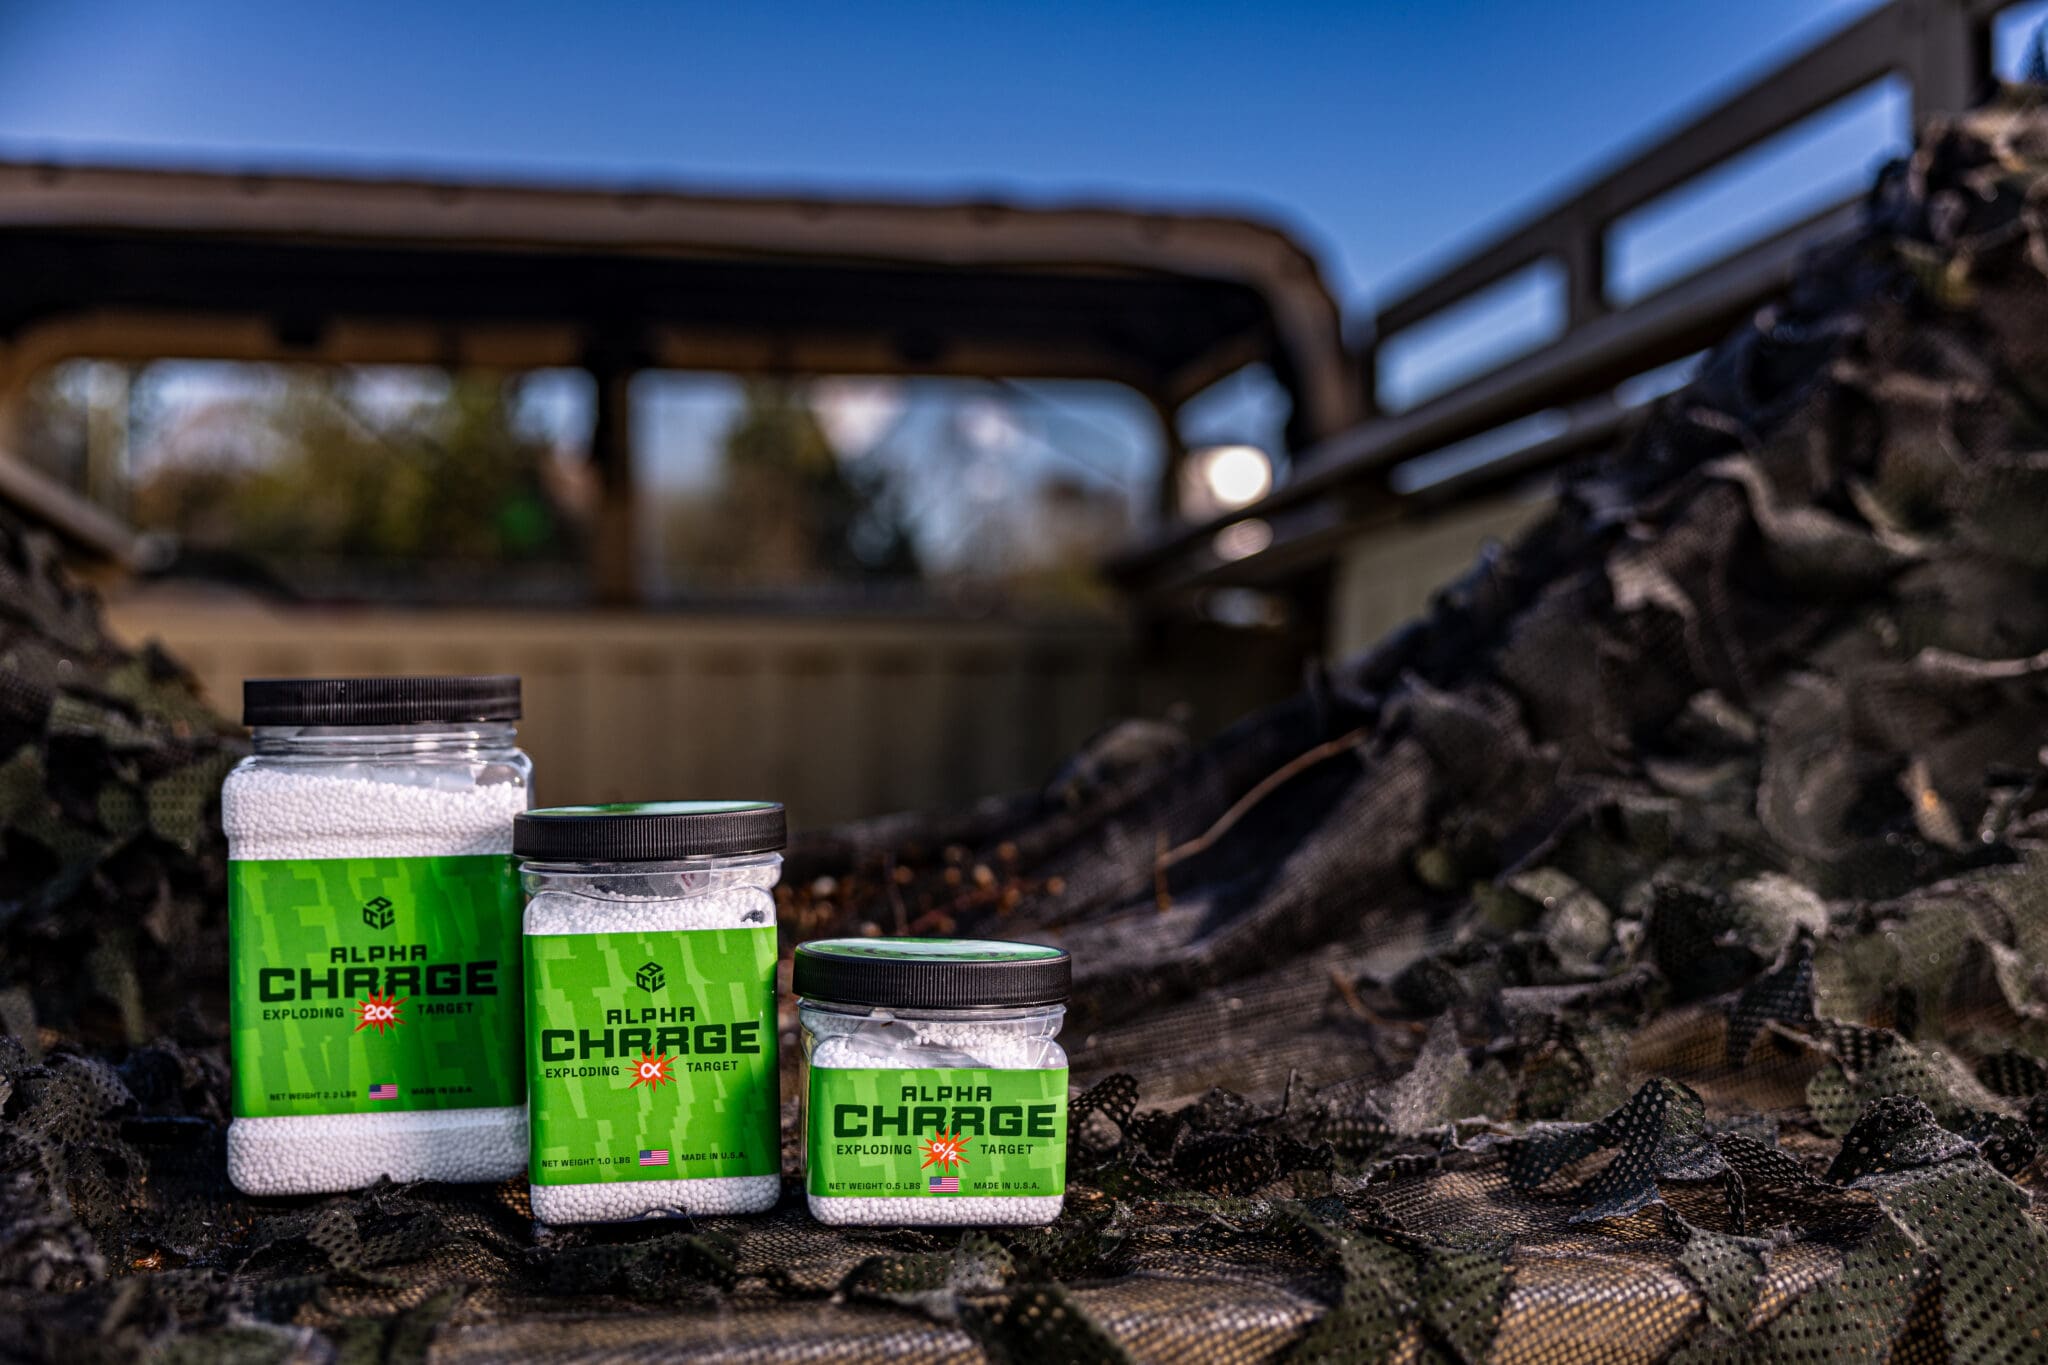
[(384, 1090), (945, 1184), (654, 1156)]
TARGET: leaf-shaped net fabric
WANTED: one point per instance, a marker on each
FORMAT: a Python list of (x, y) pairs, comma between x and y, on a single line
[(1643, 957)]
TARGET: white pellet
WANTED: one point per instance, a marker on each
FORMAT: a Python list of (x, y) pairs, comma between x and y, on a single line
[(274, 813), (847, 1041), (732, 897), (320, 1153)]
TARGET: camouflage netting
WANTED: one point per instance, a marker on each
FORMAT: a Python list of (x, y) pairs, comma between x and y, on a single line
[(1643, 958)]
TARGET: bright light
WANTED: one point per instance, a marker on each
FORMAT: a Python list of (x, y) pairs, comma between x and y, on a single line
[(1241, 539), (856, 413), (989, 425), (1236, 476)]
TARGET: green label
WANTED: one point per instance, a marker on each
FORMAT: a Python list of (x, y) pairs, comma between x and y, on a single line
[(939, 1134), (366, 985), (651, 1056)]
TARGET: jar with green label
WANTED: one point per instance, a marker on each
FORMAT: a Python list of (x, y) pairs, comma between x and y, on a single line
[(650, 1009), (373, 934), (935, 1092)]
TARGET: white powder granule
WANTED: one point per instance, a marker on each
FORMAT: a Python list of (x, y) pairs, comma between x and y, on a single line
[(845, 1041), (722, 898), (272, 813), (322, 1153)]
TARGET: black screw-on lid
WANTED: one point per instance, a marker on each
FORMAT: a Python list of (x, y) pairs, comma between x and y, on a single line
[(648, 831), (378, 701), (931, 973)]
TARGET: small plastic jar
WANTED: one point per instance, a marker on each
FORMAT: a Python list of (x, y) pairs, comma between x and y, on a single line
[(934, 1091), (373, 934), (650, 998)]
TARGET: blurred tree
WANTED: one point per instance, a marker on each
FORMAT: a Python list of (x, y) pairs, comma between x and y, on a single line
[(313, 472), (392, 483), (52, 423), (787, 511)]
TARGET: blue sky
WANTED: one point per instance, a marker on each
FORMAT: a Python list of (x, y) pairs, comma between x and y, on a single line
[(1386, 133)]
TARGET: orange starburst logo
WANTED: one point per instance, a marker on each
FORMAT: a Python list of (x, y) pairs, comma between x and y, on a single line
[(380, 1012), (652, 1070), (945, 1150)]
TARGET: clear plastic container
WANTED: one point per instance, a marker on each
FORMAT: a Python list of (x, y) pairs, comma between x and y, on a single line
[(935, 1091), (375, 994), (652, 1071)]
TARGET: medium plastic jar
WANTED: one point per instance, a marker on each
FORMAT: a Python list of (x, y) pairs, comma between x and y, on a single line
[(650, 995), (934, 1091), (373, 934)]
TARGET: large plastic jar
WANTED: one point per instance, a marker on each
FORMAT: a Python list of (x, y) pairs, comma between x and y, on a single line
[(650, 996), (934, 1092), (373, 934)]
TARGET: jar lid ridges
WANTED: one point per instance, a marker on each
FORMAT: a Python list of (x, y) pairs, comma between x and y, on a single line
[(913, 973), (649, 831), (380, 701)]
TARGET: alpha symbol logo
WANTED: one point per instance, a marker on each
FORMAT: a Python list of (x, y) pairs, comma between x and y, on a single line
[(944, 1150), (652, 1070), (379, 914), (650, 978)]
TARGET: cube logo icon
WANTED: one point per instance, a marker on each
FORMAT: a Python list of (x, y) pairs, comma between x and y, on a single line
[(379, 914), (649, 978)]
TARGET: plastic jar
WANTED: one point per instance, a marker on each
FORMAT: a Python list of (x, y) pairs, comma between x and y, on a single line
[(934, 1091), (373, 924), (650, 998)]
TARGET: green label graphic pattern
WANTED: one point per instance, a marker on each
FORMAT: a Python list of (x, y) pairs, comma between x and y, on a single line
[(651, 1056), (368, 985), (870, 1134)]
